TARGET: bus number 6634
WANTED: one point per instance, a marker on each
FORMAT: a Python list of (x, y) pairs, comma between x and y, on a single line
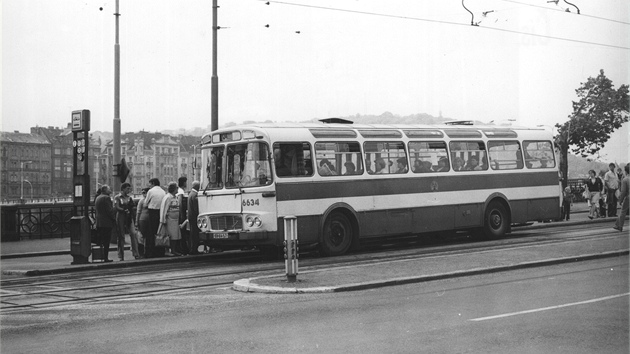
[(251, 202)]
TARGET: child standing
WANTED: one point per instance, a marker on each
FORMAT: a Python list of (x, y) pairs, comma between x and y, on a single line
[(567, 202)]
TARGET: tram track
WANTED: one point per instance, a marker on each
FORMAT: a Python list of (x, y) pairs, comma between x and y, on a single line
[(31, 294)]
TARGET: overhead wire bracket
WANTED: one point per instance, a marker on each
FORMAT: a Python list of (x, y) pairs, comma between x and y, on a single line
[(472, 21)]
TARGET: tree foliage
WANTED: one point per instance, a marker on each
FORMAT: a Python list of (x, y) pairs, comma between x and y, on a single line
[(599, 111)]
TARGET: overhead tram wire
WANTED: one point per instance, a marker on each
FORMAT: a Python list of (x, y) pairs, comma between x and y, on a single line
[(560, 10), (444, 22)]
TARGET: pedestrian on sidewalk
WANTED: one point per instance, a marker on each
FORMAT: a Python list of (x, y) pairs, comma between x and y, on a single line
[(193, 213), (611, 184), (567, 202), (169, 218), (124, 221), (594, 186), (623, 199), (105, 220), (182, 183), (153, 202), (142, 220)]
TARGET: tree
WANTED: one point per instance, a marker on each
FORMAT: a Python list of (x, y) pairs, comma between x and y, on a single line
[(599, 111)]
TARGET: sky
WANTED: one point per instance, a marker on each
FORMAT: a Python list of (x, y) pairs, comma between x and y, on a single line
[(298, 60)]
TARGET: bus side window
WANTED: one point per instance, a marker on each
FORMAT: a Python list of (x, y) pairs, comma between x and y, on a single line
[(338, 158), (429, 156), (538, 154), (290, 159), (384, 157), (472, 154), (505, 155)]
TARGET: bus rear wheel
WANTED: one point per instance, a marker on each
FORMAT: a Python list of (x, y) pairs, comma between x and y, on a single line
[(496, 221), (336, 236)]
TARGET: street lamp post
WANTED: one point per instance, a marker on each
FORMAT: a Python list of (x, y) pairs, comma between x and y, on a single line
[(116, 140), (22, 178), (31, 185)]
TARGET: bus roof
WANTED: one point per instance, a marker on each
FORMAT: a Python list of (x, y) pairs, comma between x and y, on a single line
[(301, 131)]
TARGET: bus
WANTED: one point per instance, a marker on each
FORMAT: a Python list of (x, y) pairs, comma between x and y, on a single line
[(346, 182)]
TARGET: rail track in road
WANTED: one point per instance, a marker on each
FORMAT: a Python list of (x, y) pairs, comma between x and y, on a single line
[(221, 270)]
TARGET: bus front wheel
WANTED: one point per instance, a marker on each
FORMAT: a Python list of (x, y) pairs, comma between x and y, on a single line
[(496, 221), (337, 235)]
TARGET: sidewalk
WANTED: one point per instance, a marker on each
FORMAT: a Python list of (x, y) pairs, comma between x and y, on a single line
[(52, 256)]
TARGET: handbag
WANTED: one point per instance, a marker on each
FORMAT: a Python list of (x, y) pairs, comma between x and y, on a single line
[(139, 236), (161, 238)]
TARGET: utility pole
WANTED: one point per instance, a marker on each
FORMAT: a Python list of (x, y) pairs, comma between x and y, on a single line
[(116, 142), (214, 122)]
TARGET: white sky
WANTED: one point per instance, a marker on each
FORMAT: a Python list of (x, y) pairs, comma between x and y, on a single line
[(421, 57)]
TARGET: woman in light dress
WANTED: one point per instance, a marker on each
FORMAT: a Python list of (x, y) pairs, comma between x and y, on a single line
[(169, 218)]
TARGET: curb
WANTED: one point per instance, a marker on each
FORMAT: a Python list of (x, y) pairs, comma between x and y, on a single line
[(100, 265), (543, 225), (248, 285), (47, 253)]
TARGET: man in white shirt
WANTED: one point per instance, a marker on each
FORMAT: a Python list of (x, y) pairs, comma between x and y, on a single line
[(153, 201), (182, 183), (611, 184)]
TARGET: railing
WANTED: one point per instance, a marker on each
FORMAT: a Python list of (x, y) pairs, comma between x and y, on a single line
[(38, 221)]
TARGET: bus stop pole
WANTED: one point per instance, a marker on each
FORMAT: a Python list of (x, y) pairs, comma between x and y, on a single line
[(291, 248)]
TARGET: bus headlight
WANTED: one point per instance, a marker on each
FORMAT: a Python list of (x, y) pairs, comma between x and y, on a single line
[(202, 223), (253, 221)]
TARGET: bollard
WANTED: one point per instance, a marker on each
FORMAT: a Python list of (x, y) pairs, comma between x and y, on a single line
[(291, 248)]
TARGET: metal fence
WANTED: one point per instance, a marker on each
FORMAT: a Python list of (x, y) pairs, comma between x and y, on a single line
[(38, 221)]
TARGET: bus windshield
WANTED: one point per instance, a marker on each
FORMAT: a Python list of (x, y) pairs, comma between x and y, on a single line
[(246, 165), (213, 166)]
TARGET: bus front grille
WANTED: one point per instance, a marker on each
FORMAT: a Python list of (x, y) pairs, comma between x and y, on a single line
[(226, 222)]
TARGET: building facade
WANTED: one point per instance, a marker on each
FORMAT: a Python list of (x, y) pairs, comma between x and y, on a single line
[(39, 165), (153, 155), (24, 165)]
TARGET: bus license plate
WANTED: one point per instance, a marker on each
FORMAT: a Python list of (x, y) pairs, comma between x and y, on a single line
[(221, 235)]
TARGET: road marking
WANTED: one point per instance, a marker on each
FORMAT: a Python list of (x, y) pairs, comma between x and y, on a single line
[(548, 308)]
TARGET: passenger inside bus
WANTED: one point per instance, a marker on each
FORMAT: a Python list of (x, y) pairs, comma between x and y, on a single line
[(422, 166), (402, 165), (458, 163), (350, 169), (326, 168), (442, 165), (472, 164), (380, 166)]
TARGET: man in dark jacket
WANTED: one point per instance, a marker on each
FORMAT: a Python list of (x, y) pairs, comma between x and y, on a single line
[(105, 220), (193, 213)]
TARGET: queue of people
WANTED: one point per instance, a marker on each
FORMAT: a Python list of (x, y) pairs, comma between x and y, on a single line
[(157, 208), (603, 194)]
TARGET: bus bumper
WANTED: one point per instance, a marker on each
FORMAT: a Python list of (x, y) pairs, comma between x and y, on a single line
[(237, 237)]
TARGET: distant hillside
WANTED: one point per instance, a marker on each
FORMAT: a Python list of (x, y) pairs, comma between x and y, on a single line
[(390, 118), (579, 167)]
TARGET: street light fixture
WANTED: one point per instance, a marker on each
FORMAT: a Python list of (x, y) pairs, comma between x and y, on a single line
[(22, 178)]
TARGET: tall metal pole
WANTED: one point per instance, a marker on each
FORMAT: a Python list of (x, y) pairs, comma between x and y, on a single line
[(22, 178), (117, 158), (214, 123)]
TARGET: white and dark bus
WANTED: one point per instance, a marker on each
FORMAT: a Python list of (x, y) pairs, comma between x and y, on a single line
[(346, 182)]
